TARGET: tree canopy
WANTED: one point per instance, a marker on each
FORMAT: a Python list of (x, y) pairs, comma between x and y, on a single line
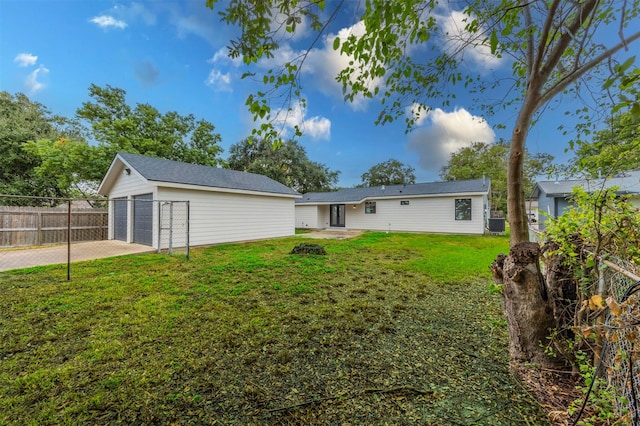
[(116, 126), (390, 172), (72, 155), (490, 160), (287, 164), (407, 56), (611, 151), (22, 120)]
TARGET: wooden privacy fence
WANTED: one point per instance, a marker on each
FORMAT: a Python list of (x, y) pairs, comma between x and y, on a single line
[(34, 226)]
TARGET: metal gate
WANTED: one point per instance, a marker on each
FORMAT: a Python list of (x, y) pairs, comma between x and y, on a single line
[(143, 219), (173, 232)]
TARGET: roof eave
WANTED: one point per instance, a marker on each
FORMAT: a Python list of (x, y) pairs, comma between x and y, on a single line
[(393, 197), (117, 166), (110, 177), (165, 184)]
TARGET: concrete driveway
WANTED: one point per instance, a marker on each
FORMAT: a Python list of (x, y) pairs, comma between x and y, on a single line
[(24, 258)]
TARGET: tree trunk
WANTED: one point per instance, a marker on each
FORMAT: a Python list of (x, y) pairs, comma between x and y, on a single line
[(516, 210), (527, 306)]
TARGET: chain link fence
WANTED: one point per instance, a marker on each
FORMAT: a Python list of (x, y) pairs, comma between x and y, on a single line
[(37, 231), (173, 230), (621, 359), (620, 279)]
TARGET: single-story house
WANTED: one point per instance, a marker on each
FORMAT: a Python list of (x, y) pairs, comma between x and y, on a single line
[(445, 207), (554, 197), (223, 205)]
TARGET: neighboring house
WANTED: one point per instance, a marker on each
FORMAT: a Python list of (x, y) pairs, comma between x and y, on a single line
[(554, 197), (224, 205), (443, 207)]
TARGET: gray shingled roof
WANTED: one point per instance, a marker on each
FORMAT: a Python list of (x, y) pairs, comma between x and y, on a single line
[(162, 170), (357, 195), (628, 183)]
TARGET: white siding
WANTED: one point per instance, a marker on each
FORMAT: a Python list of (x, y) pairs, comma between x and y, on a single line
[(324, 215), (307, 217), (428, 214), (218, 217), (129, 185)]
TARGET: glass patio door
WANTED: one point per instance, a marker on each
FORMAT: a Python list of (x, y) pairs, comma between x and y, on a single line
[(337, 215)]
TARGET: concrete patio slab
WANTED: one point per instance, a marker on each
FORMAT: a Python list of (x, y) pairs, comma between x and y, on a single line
[(27, 257), (338, 234)]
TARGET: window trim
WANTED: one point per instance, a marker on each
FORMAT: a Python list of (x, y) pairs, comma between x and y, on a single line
[(458, 204), (370, 207)]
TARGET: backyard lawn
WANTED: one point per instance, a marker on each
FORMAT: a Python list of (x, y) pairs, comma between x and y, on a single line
[(394, 329)]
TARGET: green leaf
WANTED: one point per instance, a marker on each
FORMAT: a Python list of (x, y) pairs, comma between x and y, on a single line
[(625, 66), (336, 43), (608, 83), (494, 42)]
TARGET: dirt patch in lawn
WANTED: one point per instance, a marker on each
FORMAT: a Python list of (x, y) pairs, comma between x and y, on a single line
[(331, 234)]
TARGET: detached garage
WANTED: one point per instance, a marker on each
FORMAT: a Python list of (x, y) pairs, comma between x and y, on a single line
[(211, 205)]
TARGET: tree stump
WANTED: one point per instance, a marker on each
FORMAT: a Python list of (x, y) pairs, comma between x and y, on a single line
[(527, 306)]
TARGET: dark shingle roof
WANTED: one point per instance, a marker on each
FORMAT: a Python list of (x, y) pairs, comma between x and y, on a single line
[(162, 170), (357, 195)]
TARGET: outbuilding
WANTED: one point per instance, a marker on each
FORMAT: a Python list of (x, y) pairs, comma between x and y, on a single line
[(459, 207), (554, 197), (159, 202)]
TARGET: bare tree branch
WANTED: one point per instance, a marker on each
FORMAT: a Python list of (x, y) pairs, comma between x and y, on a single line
[(544, 37), (555, 55), (573, 76)]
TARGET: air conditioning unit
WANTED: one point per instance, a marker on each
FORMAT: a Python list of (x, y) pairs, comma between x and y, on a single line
[(496, 225)]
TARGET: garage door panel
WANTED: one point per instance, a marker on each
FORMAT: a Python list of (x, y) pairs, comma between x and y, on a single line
[(143, 219)]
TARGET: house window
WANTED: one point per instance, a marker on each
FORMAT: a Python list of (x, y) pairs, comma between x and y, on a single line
[(370, 207), (404, 203), (463, 208)]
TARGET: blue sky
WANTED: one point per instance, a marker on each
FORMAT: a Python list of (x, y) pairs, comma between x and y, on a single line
[(172, 55)]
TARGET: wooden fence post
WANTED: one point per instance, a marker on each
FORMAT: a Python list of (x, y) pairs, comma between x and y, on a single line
[(39, 230)]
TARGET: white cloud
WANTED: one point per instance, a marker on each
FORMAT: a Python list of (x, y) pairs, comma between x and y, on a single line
[(25, 59), (325, 64), (446, 133), (106, 21), (322, 64), (458, 41), (222, 56), (33, 82), (418, 112), (218, 81), (315, 127)]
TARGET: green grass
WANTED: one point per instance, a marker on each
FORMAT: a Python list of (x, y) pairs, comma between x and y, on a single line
[(395, 328)]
